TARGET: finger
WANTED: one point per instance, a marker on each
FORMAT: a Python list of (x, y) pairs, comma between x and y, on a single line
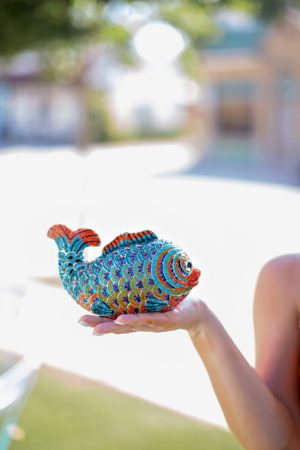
[(111, 327), (150, 319), (133, 330), (92, 321), (130, 328), (124, 332)]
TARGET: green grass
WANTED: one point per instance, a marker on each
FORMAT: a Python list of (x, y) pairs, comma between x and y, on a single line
[(66, 413)]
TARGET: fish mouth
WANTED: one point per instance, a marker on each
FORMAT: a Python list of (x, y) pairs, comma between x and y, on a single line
[(193, 278)]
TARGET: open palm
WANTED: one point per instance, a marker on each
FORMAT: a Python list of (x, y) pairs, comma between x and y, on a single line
[(187, 315)]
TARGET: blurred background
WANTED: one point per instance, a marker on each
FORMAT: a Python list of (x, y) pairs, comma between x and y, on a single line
[(81, 72), (178, 116)]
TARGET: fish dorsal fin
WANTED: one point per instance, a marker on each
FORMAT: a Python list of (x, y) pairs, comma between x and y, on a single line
[(126, 239)]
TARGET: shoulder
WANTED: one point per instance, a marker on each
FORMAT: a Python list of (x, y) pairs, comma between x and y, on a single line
[(282, 265), (280, 277), (276, 324)]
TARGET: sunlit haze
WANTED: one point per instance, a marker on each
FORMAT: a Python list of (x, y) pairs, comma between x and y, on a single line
[(160, 87), (158, 42)]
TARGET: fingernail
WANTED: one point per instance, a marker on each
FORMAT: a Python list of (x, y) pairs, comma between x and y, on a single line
[(83, 323), (119, 323), (98, 334)]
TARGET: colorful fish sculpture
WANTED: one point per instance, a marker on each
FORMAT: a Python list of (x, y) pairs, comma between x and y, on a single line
[(136, 273)]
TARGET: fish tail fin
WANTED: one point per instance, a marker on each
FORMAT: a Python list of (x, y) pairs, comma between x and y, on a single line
[(73, 241)]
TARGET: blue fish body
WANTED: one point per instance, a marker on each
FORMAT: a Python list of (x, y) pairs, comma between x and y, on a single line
[(136, 273)]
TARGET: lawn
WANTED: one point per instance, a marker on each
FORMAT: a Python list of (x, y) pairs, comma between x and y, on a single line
[(66, 412)]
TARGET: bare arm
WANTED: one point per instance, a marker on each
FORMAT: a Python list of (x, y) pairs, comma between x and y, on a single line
[(258, 417)]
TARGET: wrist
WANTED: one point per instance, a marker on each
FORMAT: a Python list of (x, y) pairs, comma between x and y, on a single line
[(206, 321)]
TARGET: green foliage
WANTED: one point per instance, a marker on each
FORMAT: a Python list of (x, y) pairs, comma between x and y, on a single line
[(150, 133), (193, 18), (75, 415), (56, 24), (101, 127), (28, 23), (190, 62), (248, 6), (36, 24), (265, 9), (271, 9)]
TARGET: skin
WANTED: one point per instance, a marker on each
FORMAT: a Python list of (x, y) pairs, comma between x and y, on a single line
[(261, 404)]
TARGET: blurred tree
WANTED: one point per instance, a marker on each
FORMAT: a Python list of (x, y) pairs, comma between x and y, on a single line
[(265, 9), (65, 34), (26, 24), (62, 29)]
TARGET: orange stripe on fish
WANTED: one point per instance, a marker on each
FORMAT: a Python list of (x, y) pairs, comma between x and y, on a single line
[(129, 239)]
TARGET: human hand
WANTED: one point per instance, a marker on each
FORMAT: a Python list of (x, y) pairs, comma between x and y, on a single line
[(189, 315)]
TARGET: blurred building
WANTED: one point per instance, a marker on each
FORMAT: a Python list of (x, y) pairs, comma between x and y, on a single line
[(251, 87), (144, 98), (32, 110)]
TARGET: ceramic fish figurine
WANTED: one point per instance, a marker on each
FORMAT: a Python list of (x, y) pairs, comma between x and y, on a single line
[(136, 273)]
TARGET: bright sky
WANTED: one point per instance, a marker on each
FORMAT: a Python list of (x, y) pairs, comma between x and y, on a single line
[(158, 42)]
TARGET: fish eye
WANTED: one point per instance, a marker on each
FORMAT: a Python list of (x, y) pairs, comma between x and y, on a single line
[(188, 265)]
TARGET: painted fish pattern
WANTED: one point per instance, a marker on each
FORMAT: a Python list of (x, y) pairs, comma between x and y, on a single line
[(136, 273)]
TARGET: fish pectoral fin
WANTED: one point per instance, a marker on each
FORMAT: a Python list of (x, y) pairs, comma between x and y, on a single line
[(102, 309), (154, 305)]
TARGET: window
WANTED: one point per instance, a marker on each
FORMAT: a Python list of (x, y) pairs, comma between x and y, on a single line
[(234, 111)]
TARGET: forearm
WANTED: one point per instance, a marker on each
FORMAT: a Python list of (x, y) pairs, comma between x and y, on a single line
[(257, 418)]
